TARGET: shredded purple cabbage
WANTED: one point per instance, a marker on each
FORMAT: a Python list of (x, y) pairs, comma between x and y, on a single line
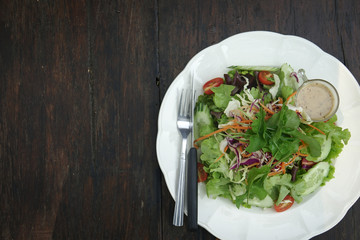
[(305, 164), (293, 74), (293, 172), (299, 114), (256, 157), (238, 118), (253, 105), (263, 97), (249, 161), (234, 166), (233, 142), (233, 145)]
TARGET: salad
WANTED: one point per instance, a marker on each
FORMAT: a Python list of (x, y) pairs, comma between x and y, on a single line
[(257, 147)]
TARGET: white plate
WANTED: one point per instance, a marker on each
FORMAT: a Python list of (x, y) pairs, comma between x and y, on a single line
[(318, 212)]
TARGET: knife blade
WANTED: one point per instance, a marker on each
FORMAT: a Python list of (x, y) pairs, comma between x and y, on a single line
[(192, 184)]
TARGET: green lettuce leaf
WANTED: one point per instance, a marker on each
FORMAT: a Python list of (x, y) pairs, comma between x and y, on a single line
[(339, 137), (278, 186), (210, 150), (256, 178), (222, 95), (218, 187), (286, 78), (286, 91)]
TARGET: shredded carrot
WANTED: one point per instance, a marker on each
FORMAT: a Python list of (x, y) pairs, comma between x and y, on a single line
[(241, 128), (316, 129), (283, 165), (220, 157), (234, 130), (238, 127), (274, 173), (225, 149), (234, 126), (241, 114), (242, 142), (288, 99), (266, 108), (303, 145), (292, 160), (247, 155), (255, 110), (246, 121), (280, 100), (214, 132), (241, 148), (302, 154)]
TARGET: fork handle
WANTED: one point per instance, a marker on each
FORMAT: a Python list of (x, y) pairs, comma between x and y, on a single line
[(192, 190), (178, 219)]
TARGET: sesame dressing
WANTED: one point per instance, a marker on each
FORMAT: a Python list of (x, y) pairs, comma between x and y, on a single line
[(316, 99)]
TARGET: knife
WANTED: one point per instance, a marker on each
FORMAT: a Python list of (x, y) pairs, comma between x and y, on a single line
[(192, 184)]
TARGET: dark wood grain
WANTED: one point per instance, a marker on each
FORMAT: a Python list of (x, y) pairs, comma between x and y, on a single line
[(126, 105), (45, 131), (81, 84), (122, 186)]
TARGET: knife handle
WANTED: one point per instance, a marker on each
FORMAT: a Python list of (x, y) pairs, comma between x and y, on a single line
[(192, 185)]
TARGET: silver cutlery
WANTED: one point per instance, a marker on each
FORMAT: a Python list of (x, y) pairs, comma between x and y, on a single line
[(184, 125), (192, 184)]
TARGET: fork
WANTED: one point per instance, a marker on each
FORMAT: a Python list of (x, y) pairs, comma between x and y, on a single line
[(184, 125)]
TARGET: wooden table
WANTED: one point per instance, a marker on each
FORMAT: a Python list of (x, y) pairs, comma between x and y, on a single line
[(80, 91)]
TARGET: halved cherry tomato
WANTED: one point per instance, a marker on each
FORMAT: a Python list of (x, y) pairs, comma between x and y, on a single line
[(202, 175), (212, 83), (266, 77), (285, 204)]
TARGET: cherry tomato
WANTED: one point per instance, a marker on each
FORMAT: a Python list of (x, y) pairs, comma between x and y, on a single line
[(202, 175), (212, 83), (285, 204), (266, 77)]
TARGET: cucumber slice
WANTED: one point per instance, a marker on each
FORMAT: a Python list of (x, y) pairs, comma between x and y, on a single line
[(267, 202), (311, 180), (203, 123), (325, 148)]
